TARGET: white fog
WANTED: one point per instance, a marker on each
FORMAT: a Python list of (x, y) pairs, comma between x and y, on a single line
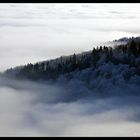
[(34, 32), (30, 109)]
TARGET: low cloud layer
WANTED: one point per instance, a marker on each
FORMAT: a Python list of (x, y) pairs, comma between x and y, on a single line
[(36, 109), (35, 32)]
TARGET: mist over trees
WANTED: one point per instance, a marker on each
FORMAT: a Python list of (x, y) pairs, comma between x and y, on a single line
[(128, 53)]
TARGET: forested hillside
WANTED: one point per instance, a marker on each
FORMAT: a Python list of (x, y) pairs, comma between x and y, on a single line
[(126, 54)]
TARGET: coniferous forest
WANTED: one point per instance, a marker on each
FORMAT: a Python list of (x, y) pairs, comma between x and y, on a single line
[(126, 53), (69, 70)]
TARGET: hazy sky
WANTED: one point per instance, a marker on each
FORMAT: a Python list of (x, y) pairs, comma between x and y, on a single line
[(35, 32)]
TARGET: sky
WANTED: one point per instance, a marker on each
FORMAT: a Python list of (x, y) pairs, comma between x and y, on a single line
[(36, 32)]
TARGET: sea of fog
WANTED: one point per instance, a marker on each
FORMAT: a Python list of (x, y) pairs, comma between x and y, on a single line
[(35, 32), (42, 109)]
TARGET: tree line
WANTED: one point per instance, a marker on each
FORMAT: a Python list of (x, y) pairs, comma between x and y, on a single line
[(52, 69)]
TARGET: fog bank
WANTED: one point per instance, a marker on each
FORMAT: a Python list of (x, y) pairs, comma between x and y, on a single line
[(34, 109)]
